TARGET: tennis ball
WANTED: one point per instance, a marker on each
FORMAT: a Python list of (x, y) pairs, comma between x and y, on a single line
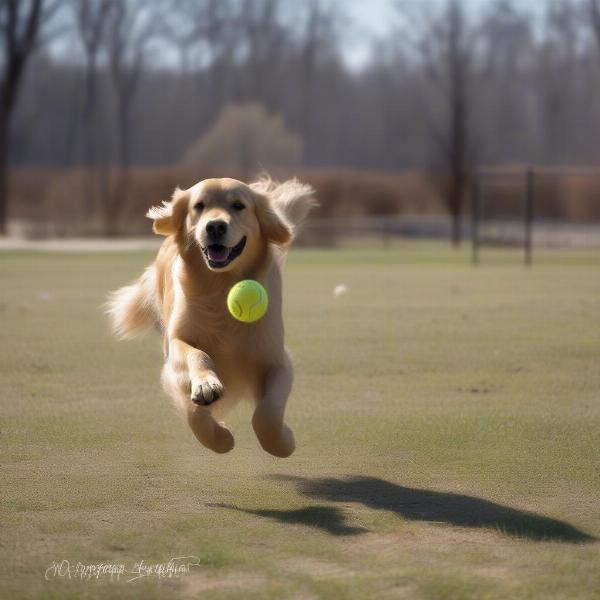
[(247, 301)]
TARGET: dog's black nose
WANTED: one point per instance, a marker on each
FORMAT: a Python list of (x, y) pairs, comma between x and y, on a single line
[(216, 229)]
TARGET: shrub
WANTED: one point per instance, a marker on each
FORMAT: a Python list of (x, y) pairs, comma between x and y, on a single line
[(246, 138)]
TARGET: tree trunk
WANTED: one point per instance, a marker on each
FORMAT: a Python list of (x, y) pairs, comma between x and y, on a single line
[(89, 129), (456, 212), (456, 229), (117, 197), (3, 174)]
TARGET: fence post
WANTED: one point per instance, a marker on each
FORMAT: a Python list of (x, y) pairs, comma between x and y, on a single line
[(385, 233), (529, 202), (475, 217)]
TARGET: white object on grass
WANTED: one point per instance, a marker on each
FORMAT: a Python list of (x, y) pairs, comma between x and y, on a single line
[(340, 290)]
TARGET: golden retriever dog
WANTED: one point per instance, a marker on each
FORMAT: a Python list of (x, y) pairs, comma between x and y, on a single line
[(219, 232)]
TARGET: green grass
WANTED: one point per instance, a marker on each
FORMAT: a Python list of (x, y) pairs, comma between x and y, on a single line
[(447, 422)]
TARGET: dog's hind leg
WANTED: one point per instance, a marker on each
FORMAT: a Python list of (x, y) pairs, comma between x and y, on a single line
[(273, 434)]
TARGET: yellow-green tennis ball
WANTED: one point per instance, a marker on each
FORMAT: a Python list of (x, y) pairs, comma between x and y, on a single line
[(247, 301)]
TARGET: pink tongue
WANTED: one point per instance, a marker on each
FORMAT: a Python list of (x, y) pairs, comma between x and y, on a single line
[(218, 254)]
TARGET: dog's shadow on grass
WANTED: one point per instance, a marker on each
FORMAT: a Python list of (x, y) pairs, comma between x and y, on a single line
[(418, 505), (327, 518)]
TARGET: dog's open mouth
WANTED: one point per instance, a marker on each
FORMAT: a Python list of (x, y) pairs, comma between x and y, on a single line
[(218, 256)]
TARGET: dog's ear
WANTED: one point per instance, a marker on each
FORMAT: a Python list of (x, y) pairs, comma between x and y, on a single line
[(273, 227), (169, 217)]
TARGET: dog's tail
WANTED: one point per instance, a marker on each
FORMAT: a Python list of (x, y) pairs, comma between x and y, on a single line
[(132, 309), (291, 199)]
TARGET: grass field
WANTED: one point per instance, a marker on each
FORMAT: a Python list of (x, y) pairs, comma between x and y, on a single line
[(447, 422)]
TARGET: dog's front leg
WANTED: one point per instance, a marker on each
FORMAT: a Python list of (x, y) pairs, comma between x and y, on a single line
[(190, 379), (273, 434)]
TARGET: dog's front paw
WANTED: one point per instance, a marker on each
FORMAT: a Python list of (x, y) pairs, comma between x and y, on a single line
[(206, 390)]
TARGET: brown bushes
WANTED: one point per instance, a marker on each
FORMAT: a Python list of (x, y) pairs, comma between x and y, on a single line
[(345, 192), (51, 202), (571, 195)]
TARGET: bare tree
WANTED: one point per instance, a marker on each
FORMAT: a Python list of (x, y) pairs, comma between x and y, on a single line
[(91, 20), (318, 36), (180, 29), (208, 32), (452, 78), (192, 26), (20, 23), (558, 81), (129, 30), (507, 61), (265, 40), (594, 14), (446, 46)]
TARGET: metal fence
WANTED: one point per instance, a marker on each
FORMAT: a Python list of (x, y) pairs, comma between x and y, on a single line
[(523, 228)]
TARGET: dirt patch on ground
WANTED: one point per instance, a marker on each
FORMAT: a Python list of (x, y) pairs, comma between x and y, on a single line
[(499, 572), (401, 592), (316, 568), (192, 585)]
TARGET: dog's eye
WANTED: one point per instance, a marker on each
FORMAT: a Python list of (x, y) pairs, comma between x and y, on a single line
[(199, 206), (237, 205)]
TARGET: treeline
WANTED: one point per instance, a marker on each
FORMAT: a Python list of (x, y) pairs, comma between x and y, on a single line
[(114, 83), (532, 86)]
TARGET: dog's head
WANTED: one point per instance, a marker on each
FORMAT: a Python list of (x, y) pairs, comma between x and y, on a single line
[(227, 220)]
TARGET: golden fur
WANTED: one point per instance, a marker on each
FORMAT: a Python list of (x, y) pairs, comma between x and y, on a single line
[(212, 360)]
